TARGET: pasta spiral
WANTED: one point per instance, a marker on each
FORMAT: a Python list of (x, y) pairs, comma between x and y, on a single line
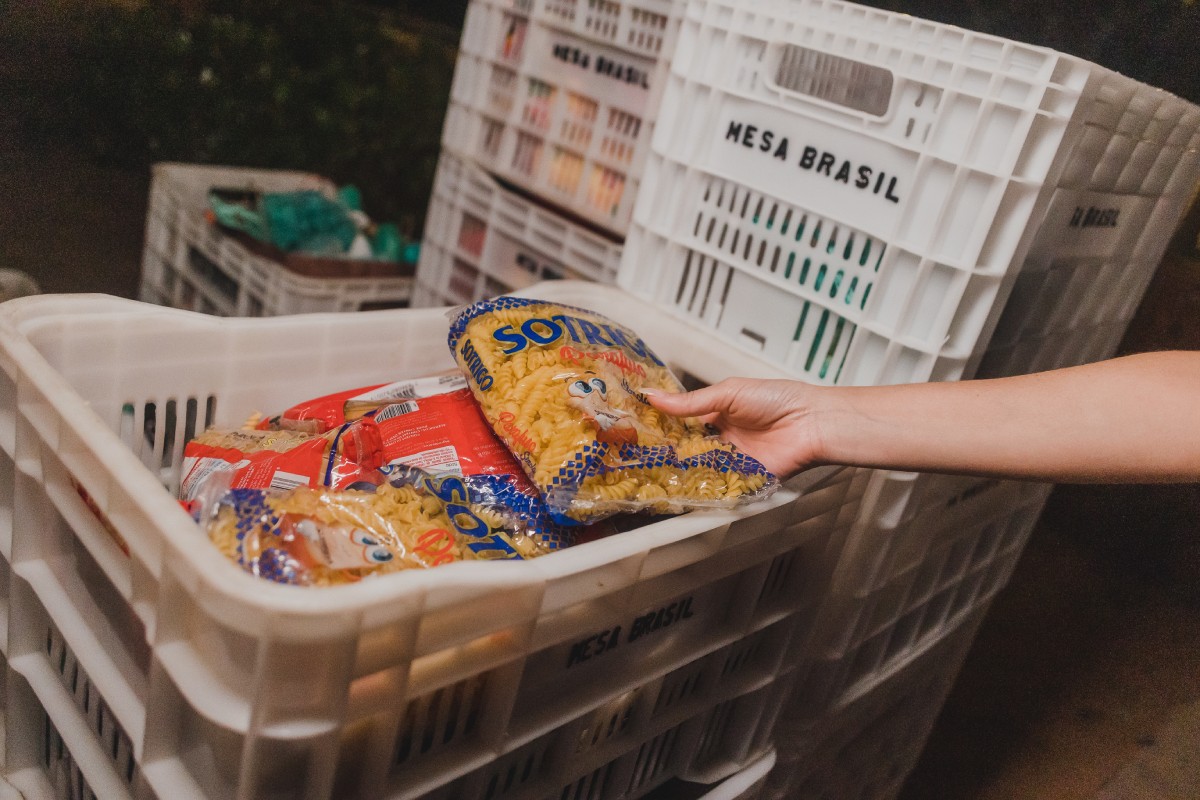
[(562, 387)]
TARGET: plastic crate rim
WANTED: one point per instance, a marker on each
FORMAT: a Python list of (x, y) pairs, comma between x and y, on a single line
[(219, 578)]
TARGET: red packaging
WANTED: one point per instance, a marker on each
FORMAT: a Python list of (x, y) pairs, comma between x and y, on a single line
[(255, 459)]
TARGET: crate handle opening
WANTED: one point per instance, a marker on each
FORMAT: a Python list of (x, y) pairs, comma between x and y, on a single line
[(832, 79)]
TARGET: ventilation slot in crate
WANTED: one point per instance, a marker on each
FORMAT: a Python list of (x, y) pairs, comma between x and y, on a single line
[(563, 9), (539, 100), (647, 30), (678, 688), (602, 18), (590, 787), (211, 274), (579, 120), (711, 743), (440, 719), (744, 655), (781, 578), (620, 135), (527, 154), (566, 170), (517, 769), (607, 722), (502, 91), (605, 189), (653, 761), (111, 737), (158, 438), (61, 770), (765, 235), (513, 43)]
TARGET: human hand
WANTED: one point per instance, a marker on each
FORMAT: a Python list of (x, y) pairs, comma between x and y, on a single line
[(771, 420)]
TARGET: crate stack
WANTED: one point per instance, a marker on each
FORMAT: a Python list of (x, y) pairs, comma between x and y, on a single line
[(189, 263), (139, 663), (549, 123), (821, 191), (866, 198)]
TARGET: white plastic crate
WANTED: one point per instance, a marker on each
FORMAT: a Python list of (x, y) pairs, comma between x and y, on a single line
[(559, 97), (851, 192), (902, 585), (483, 239), (1072, 305), (746, 785), (865, 748), (190, 264), (163, 670)]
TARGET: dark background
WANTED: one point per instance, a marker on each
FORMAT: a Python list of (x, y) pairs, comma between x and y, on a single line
[(1097, 639)]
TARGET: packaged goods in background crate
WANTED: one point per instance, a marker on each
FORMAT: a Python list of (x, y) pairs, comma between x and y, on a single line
[(852, 192), (560, 97), (867, 746), (190, 262), (483, 239), (150, 666)]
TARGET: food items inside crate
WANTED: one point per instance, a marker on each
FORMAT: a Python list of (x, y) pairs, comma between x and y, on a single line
[(545, 441), (311, 233), (433, 424), (367, 481), (563, 388), (317, 537), (338, 457)]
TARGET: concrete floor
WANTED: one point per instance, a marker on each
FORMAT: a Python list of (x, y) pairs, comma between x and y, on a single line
[(1084, 682)]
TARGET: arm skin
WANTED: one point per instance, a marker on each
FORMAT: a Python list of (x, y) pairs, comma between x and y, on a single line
[(1134, 419)]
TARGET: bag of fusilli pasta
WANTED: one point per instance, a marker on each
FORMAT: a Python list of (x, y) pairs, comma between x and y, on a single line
[(562, 387), (434, 424), (320, 537)]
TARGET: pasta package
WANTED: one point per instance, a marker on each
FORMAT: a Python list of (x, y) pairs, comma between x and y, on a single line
[(435, 425), (323, 537), (247, 458), (563, 388), (324, 413)]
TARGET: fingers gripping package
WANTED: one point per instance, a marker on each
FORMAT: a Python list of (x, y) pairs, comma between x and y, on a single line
[(316, 536), (563, 388)]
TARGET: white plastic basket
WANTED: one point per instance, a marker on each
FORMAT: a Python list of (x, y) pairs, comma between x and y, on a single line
[(190, 264), (867, 746), (559, 97), (901, 586), (483, 239), (163, 670), (851, 192)]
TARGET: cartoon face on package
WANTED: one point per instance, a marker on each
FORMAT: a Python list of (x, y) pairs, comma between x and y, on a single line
[(562, 387), (320, 537)]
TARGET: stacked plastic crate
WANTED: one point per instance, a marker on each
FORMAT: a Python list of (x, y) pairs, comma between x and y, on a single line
[(189, 263), (139, 663), (864, 197), (548, 125)]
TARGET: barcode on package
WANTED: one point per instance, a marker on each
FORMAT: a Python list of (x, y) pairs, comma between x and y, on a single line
[(395, 410), (287, 480), (422, 387)]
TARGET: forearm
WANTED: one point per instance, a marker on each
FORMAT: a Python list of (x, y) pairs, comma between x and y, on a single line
[(1128, 419)]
